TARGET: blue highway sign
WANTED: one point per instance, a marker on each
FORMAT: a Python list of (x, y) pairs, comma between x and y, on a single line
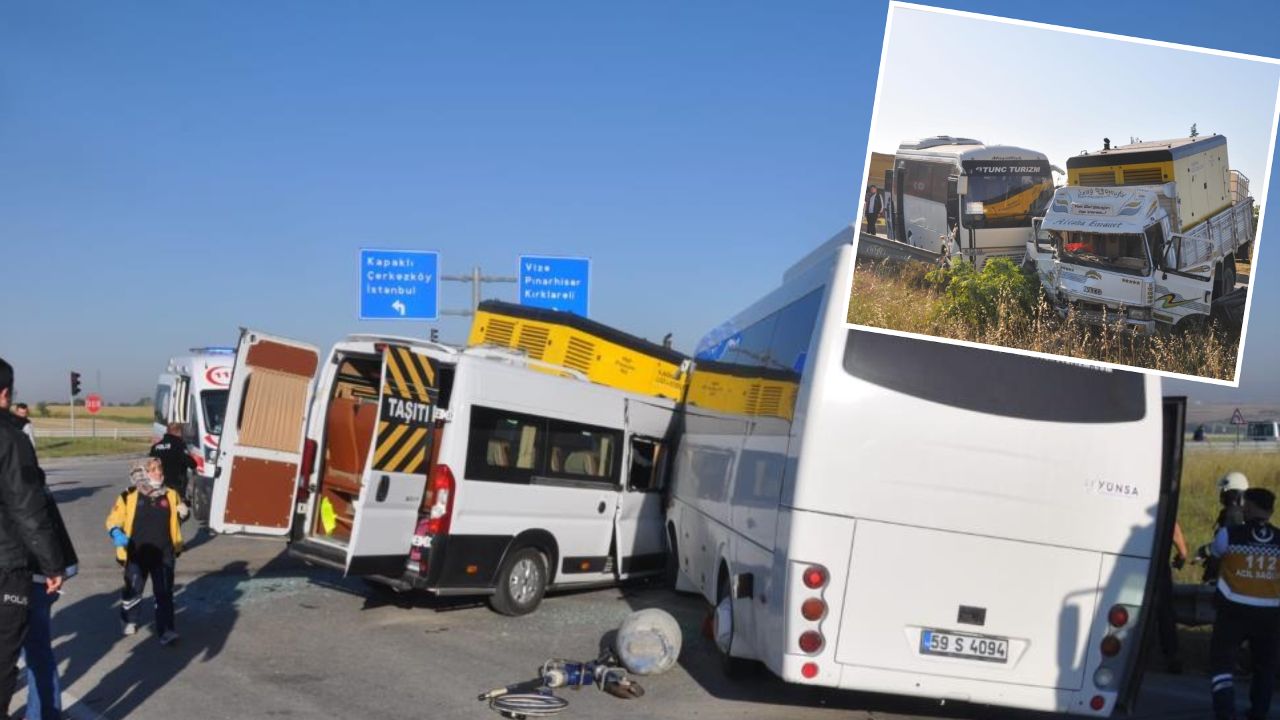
[(399, 285), (555, 283)]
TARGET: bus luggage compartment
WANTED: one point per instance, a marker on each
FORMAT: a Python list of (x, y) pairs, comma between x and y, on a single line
[(965, 606)]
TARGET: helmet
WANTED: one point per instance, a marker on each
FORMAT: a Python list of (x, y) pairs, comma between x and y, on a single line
[(1234, 480)]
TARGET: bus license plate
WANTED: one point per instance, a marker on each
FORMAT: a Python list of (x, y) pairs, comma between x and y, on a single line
[(970, 647)]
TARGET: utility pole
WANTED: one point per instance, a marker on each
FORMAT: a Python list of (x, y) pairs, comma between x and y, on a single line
[(476, 278)]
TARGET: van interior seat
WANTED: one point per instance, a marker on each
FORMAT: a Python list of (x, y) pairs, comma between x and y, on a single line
[(581, 462), (499, 454)]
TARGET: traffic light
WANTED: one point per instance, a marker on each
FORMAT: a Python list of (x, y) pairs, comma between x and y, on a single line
[(75, 384)]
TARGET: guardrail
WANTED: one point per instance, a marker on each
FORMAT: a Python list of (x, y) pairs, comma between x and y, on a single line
[(1230, 445), (111, 433)]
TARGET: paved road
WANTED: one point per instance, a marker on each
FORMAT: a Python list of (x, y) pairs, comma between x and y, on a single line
[(265, 637)]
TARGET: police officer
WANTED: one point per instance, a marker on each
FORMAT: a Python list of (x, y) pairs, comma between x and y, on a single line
[(28, 540), (1248, 604), (174, 458)]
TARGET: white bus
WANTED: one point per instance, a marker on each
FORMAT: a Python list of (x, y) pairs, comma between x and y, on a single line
[(479, 471), (966, 199), (920, 518), (192, 390)]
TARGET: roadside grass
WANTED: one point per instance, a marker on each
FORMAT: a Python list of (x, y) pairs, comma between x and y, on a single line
[(48, 448), (899, 297), (132, 414)]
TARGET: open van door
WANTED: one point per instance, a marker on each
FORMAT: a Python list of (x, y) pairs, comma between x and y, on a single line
[(395, 475), (640, 535), (255, 483)]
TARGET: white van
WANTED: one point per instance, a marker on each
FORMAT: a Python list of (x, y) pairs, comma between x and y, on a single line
[(192, 390), (475, 471)]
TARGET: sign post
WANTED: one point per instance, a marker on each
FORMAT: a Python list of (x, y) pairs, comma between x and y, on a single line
[(1237, 419), (93, 405), (399, 285), (556, 283)]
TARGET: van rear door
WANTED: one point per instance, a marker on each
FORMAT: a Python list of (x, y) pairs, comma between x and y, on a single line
[(260, 454), (395, 474)]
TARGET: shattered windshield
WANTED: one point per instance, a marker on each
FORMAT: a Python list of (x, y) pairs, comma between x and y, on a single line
[(1123, 252)]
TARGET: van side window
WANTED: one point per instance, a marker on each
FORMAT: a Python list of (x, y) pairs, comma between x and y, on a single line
[(503, 446), (648, 471), (582, 452)]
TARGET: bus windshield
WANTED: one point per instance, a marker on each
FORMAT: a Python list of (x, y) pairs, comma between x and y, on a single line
[(1122, 252), (215, 407), (1006, 195)]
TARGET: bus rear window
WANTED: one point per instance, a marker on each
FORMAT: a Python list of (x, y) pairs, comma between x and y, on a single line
[(993, 382)]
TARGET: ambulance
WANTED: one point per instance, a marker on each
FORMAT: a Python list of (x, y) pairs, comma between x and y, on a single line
[(192, 390)]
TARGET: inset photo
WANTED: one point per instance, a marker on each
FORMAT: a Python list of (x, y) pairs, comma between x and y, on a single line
[(1065, 192)]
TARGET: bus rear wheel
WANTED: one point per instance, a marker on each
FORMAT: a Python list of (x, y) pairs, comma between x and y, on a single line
[(522, 582), (722, 631)]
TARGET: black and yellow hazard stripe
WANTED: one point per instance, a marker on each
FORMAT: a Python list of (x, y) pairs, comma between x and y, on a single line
[(402, 444), (409, 375)]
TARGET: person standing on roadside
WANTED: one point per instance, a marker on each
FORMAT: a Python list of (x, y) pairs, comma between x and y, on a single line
[(175, 458), (873, 206), (22, 411), (28, 539), (1166, 619), (143, 524), (44, 691), (1248, 605)]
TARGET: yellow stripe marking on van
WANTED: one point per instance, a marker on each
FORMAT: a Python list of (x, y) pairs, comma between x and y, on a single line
[(385, 447), (414, 443)]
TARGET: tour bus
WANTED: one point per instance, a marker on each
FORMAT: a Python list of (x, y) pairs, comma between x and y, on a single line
[(965, 199), (483, 470), (916, 517), (193, 391)]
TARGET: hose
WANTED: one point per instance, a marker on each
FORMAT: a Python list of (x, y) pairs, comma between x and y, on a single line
[(528, 705)]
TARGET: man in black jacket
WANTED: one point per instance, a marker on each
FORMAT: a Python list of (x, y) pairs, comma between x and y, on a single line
[(175, 459), (27, 536)]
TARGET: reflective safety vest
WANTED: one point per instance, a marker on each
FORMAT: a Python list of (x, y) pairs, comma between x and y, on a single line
[(1250, 569)]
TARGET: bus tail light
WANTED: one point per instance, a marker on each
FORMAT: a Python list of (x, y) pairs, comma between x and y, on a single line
[(1118, 616), (1098, 702), (809, 670), (1110, 646), (305, 468), (440, 490), (815, 577), (813, 609), (810, 641)]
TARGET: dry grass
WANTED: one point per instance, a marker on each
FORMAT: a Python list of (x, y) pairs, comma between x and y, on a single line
[(896, 297)]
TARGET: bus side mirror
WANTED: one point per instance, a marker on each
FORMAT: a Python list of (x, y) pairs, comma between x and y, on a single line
[(962, 185)]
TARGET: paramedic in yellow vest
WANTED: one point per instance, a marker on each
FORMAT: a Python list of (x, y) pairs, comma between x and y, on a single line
[(144, 527), (1248, 605)]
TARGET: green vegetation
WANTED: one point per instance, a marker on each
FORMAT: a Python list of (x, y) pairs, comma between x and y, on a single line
[(1004, 307), (48, 448), (132, 415)]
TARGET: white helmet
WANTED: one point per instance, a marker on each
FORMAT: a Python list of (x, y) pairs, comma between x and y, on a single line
[(1234, 480)]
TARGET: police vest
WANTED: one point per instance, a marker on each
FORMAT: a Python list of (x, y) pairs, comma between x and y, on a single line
[(1250, 569)]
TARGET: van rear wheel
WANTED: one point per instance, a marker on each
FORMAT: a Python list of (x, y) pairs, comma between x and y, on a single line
[(522, 581)]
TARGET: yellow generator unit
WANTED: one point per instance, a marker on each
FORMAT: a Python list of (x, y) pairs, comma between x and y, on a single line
[(1198, 165), (601, 353), (744, 390)]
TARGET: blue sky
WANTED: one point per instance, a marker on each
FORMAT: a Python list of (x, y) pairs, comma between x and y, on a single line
[(172, 172)]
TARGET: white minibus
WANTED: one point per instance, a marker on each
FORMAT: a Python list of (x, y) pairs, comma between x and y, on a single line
[(475, 471)]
